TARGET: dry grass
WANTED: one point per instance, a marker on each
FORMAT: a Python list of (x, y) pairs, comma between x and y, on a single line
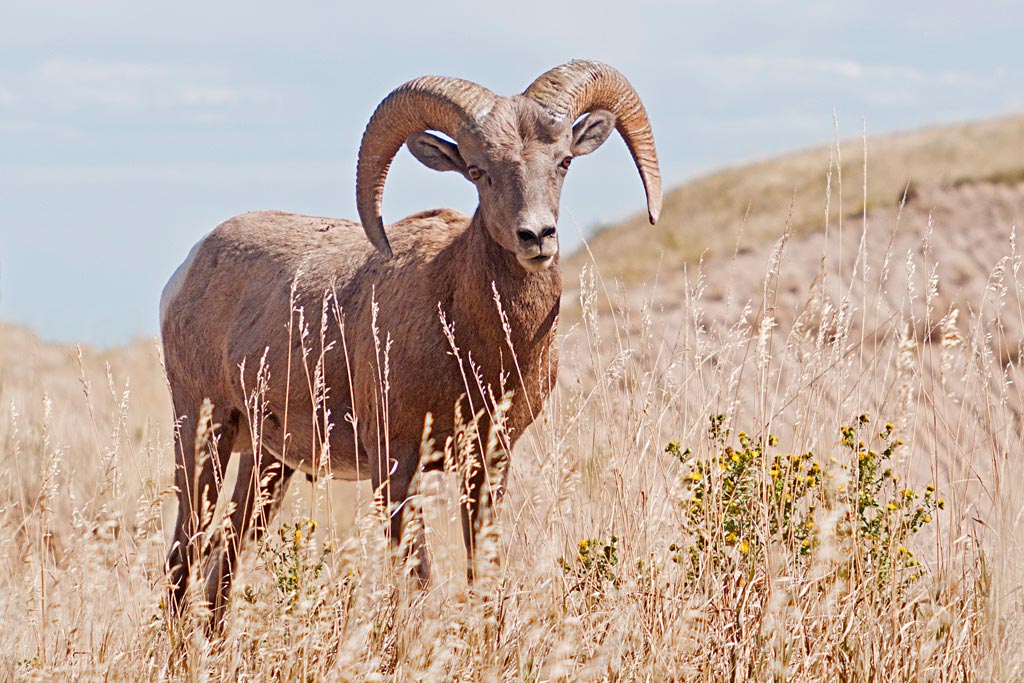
[(595, 578)]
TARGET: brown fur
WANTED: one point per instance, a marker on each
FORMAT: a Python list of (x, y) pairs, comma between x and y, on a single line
[(233, 307)]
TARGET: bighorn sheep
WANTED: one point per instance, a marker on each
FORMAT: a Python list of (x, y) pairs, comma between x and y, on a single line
[(229, 303)]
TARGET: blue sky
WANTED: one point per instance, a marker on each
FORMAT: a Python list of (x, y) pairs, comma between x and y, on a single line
[(129, 129)]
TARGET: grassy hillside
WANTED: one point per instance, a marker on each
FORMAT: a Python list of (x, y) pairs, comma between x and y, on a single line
[(705, 215)]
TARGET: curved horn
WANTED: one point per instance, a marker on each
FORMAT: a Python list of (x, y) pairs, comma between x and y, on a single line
[(581, 86), (427, 103)]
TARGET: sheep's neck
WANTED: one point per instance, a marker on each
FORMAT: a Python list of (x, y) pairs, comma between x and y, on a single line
[(528, 300)]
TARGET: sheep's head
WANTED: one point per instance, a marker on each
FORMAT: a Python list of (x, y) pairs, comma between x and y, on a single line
[(517, 157), (515, 150)]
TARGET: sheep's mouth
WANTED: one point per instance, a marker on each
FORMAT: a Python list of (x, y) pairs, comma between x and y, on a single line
[(538, 263)]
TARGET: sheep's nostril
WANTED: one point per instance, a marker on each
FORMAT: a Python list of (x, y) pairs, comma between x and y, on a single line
[(526, 235), (548, 232)]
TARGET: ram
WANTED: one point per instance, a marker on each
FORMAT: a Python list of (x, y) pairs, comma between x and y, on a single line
[(230, 304)]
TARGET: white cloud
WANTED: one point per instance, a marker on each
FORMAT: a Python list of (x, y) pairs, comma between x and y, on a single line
[(128, 87), (209, 95), (28, 176), (63, 69), (799, 69)]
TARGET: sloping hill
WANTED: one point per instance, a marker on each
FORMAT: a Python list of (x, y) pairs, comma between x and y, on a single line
[(914, 316), (706, 214), (909, 312), (33, 371)]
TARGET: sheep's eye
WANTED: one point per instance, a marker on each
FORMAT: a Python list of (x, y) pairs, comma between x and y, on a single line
[(565, 163), (474, 172)]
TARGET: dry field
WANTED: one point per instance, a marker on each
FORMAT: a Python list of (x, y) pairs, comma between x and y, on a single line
[(798, 459)]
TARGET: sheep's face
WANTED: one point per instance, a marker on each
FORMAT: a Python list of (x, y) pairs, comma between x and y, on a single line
[(517, 158)]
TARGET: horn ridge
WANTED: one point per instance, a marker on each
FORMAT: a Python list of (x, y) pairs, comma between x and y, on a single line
[(575, 88), (436, 103)]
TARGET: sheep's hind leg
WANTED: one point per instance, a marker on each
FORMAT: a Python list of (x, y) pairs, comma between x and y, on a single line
[(259, 492), (200, 458)]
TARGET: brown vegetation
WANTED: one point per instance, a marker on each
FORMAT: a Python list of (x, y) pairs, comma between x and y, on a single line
[(799, 462)]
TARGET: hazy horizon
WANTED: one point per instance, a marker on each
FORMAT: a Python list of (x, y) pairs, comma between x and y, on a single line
[(126, 133)]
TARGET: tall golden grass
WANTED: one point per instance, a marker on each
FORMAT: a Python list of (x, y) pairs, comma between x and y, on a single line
[(605, 564)]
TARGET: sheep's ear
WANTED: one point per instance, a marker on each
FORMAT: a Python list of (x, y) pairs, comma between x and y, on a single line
[(435, 153), (591, 131)]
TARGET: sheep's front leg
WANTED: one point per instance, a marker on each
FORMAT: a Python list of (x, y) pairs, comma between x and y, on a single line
[(406, 521), (473, 498), (481, 486), (481, 490)]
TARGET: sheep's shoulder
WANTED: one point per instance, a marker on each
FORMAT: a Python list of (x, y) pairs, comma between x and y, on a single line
[(424, 234)]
